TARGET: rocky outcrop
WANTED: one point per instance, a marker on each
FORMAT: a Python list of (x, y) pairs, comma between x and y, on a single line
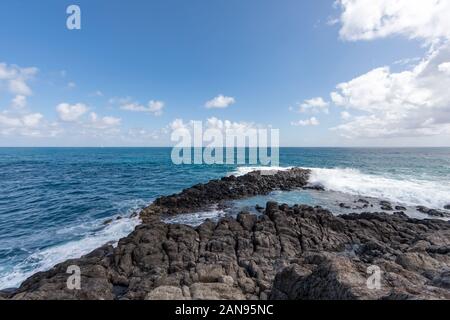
[(433, 212), (201, 196), (294, 252), (287, 252)]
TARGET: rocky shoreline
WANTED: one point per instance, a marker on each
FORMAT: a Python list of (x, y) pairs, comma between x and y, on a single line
[(287, 252)]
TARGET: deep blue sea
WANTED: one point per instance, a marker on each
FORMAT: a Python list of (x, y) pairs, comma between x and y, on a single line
[(54, 201)]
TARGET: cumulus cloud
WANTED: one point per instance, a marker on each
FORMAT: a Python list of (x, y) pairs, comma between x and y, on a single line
[(19, 87), (220, 102), (32, 120), (103, 122), (19, 102), (215, 123), (314, 105), (413, 102), (10, 122), (177, 124), (445, 68), (15, 79), (18, 120), (304, 123), (419, 19), (409, 103), (345, 115), (71, 113), (30, 124), (152, 107)]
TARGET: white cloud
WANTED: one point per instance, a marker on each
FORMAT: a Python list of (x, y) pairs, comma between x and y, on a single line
[(19, 87), (410, 103), (369, 19), (103, 122), (133, 107), (25, 125), (445, 68), (19, 102), (215, 123), (153, 107), (308, 122), (10, 122), (15, 79), (345, 115), (177, 124), (240, 126), (9, 72), (413, 102), (407, 61), (71, 113), (18, 121), (71, 85), (32, 120), (220, 102), (314, 105)]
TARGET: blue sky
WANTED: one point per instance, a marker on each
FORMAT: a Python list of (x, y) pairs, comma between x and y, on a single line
[(267, 57)]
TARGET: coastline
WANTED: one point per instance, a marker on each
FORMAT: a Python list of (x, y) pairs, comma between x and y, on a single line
[(285, 253)]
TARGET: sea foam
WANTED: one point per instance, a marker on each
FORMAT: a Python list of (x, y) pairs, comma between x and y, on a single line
[(409, 191), (46, 258)]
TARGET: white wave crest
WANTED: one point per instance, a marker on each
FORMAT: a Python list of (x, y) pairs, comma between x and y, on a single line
[(432, 194), (45, 259)]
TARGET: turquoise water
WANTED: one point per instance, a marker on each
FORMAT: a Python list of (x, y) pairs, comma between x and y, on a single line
[(54, 201)]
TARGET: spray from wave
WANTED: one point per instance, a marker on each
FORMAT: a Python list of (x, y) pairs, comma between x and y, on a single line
[(412, 192), (409, 191)]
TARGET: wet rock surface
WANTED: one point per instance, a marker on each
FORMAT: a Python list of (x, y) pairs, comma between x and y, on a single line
[(288, 252), (433, 212)]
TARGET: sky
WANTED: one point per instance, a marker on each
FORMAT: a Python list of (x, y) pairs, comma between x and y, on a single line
[(325, 73)]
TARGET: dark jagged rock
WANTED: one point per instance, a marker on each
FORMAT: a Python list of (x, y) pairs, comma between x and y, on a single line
[(447, 207), (259, 208), (386, 206), (295, 252), (433, 212), (202, 196), (344, 206), (317, 187), (365, 204), (289, 252)]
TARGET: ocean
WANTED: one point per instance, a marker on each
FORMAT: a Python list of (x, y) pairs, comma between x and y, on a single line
[(61, 203)]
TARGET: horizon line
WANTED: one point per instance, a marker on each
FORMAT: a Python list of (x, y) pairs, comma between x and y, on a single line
[(284, 147)]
